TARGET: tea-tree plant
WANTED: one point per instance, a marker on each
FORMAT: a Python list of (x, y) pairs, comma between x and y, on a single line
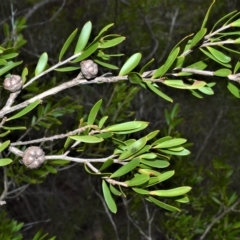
[(137, 165)]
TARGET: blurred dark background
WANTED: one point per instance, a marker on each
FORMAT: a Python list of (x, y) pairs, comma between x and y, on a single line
[(68, 204)]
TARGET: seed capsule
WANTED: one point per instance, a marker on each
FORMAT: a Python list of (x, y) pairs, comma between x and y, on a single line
[(33, 157), (13, 83), (89, 69)]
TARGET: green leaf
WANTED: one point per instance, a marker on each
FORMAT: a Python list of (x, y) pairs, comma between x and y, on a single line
[(26, 110), (224, 72), (144, 68), (9, 66), (133, 148), (158, 92), (195, 94), (199, 36), (107, 65), (5, 161), (207, 15), (236, 68), (181, 85), (67, 69), (67, 44), (201, 65), (94, 111), (170, 60), (134, 78), (102, 121), (183, 200), (51, 169), (171, 192), (112, 42), (42, 63), (184, 152), (156, 163), (106, 165), (9, 56), (87, 139), (138, 180), (140, 191), (83, 37), (166, 175), (171, 143), (126, 168), (115, 191), (148, 156), (24, 74), (14, 128), (233, 89), (103, 31), (126, 126), (4, 134), (3, 62), (215, 59), (236, 23), (149, 172), (130, 64), (163, 205), (219, 55), (108, 197), (163, 139), (88, 52), (206, 90), (4, 145), (152, 135)]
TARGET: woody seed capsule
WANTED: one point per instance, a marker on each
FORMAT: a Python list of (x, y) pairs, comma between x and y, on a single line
[(89, 69), (33, 157), (13, 83)]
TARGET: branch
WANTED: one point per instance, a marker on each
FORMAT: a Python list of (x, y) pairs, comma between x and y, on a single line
[(60, 136), (216, 219)]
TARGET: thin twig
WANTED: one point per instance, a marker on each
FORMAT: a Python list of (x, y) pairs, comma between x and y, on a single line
[(60, 136), (108, 214), (217, 218)]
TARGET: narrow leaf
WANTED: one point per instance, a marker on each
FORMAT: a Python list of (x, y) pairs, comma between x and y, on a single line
[(171, 192), (133, 148), (108, 197), (198, 37), (42, 63), (207, 15), (27, 109), (88, 52), (135, 78), (67, 69), (112, 42), (219, 55), (4, 145), (222, 72), (5, 161), (83, 37), (126, 168), (107, 65), (156, 163), (94, 111), (159, 92), (130, 64), (170, 60), (67, 44), (138, 180), (163, 205), (233, 89), (87, 139), (8, 67), (171, 143), (125, 126)]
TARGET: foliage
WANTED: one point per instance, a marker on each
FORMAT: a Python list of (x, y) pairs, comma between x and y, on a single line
[(131, 164)]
